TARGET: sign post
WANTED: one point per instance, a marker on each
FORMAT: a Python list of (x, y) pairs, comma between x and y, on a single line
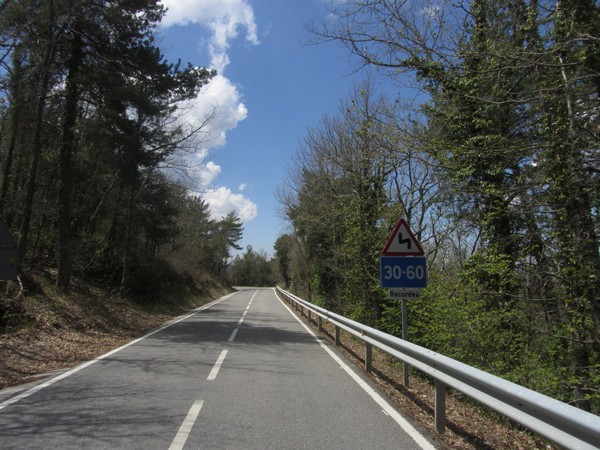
[(403, 270)]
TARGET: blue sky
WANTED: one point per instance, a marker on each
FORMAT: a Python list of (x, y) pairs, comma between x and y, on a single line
[(272, 86)]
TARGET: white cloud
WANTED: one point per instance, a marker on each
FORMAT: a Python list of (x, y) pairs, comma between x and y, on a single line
[(223, 18), (222, 201), (216, 110), (208, 173), (219, 101), (242, 186), (229, 110)]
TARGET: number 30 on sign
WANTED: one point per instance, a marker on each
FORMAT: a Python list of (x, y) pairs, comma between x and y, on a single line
[(403, 272)]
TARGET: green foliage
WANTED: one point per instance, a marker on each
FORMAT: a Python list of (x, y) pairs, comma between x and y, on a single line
[(340, 201), (252, 269), (89, 119), (284, 247), (499, 176)]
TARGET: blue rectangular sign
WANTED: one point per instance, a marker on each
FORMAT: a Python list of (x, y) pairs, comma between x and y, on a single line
[(403, 272)]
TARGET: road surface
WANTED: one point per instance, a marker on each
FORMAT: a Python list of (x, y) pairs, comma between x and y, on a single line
[(241, 372)]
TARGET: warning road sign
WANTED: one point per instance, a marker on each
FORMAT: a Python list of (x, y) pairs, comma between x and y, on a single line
[(402, 242)]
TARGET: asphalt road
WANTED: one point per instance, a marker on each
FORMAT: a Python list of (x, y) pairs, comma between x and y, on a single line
[(242, 372)]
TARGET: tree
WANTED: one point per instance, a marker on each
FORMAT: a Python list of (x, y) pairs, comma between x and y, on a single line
[(224, 236), (252, 269), (565, 126), (283, 256), (114, 99), (339, 200), (509, 118)]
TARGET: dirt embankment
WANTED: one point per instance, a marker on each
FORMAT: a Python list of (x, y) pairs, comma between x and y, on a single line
[(43, 331)]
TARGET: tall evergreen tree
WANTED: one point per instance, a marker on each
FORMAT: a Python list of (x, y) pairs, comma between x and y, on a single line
[(114, 100)]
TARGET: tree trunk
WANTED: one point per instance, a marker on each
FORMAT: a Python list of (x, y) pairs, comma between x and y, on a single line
[(36, 150), (575, 234), (126, 245), (14, 119), (65, 232)]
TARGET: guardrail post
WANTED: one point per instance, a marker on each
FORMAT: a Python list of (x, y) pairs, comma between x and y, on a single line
[(337, 335), (368, 357), (320, 324), (440, 406), (309, 316)]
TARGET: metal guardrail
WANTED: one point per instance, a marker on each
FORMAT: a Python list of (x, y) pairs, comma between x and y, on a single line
[(563, 424)]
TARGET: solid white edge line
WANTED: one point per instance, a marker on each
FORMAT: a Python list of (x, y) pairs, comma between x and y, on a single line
[(186, 427), (215, 370), (385, 405), (64, 375)]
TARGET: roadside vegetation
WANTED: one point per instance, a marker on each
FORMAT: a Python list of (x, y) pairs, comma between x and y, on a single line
[(492, 157), (95, 147), (253, 268), (47, 331)]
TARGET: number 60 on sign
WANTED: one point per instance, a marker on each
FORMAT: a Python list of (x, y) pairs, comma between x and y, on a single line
[(403, 272)]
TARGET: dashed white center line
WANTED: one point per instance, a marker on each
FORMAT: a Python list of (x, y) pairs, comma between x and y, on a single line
[(215, 370), (186, 426), (232, 337)]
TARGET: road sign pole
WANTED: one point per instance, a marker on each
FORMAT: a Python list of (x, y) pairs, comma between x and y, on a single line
[(403, 269), (405, 337)]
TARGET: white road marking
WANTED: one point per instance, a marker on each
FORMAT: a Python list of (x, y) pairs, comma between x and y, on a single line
[(64, 375), (232, 337), (383, 403), (215, 370), (186, 426)]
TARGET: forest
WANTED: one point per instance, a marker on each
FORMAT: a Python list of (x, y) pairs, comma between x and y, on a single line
[(494, 162), (93, 145)]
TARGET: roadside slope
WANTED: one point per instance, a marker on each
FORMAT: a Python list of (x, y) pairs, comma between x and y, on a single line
[(47, 331)]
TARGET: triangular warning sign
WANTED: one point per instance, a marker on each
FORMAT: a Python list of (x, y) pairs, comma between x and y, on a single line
[(402, 242)]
